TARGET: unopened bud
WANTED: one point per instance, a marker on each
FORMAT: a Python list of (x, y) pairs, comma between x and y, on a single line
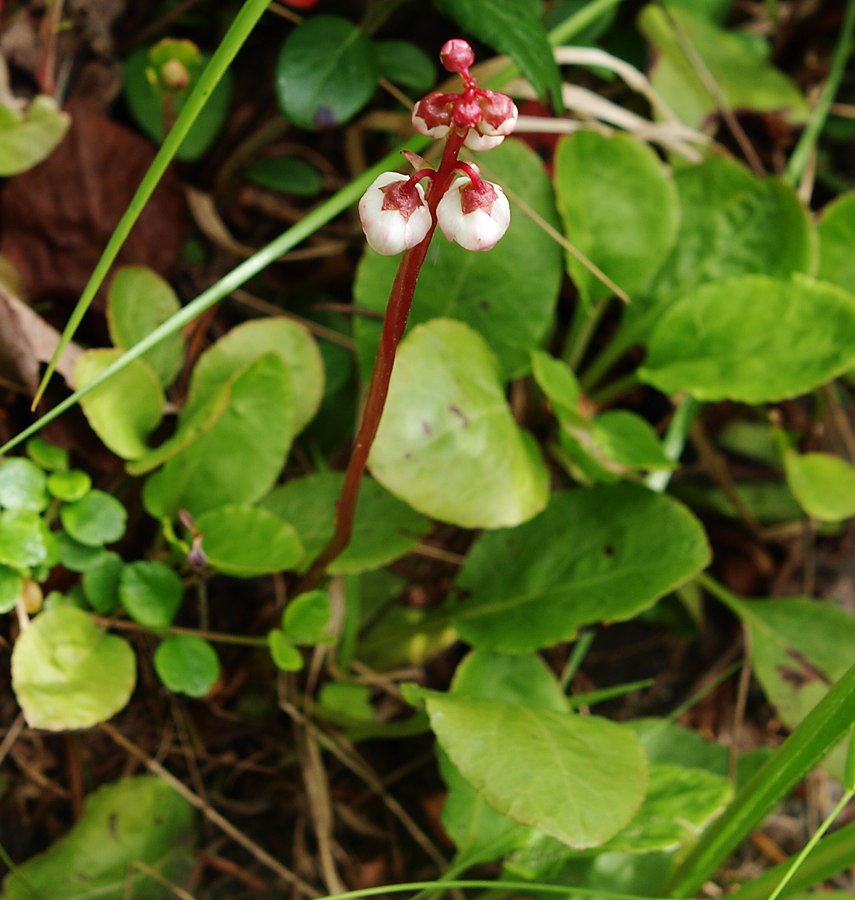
[(456, 55), (394, 214), (475, 216)]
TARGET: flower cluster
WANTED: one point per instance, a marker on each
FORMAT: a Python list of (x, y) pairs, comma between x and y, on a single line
[(397, 213)]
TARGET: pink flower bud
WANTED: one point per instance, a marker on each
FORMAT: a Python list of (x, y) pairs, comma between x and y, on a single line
[(456, 55), (394, 214), (499, 114), (432, 115), (474, 216)]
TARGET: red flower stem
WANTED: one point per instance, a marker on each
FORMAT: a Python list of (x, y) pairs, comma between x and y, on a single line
[(394, 325)]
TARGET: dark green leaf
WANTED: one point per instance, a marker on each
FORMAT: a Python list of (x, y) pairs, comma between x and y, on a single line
[(187, 664), (405, 63), (101, 583), (307, 618), (150, 592), (288, 175)]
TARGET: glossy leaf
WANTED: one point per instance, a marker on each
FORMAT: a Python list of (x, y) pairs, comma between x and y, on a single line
[(579, 779), (619, 208), (508, 295), (595, 555), (11, 585), (284, 654), (405, 63), (70, 485), (30, 136), (823, 484), (512, 27), (101, 583), (125, 410), (384, 529), (23, 485), (245, 541), (308, 617), (23, 539), (150, 592), (289, 341), (97, 518), (448, 444), (836, 231), (137, 302), (754, 339), (187, 664), (559, 384), (68, 673), (736, 61), (239, 457), (325, 72), (133, 820), (288, 175), (46, 455)]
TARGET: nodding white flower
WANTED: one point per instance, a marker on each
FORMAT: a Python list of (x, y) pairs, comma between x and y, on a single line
[(475, 215), (432, 115), (498, 119), (476, 141), (394, 214)]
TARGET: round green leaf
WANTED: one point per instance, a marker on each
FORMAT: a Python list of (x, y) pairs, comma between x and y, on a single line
[(150, 592), (836, 232), (137, 302), (46, 455), (384, 529), (405, 63), (598, 554), (325, 72), (246, 541), (122, 424), (101, 583), (96, 519), (288, 175), (23, 539), (69, 485), (23, 485), (823, 484), (307, 618), (68, 673), (76, 557), (507, 295), (618, 207), (577, 778), (284, 654), (240, 456), (288, 340), (754, 339), (448, 444), (28, 137), (134, 820), (152, 111), (187, 664), (11, 585)]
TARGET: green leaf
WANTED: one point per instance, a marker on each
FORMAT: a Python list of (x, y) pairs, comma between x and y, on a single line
[(101, 583), (96, 519), (284, 654), (599, 554), (737, 62), (405, 63), (514, 28), (823, 484), (325, 72), (77, 557), (187, 664), (665, 743), (151, 593), (448, 444), (69, 485), (288, 175), (46, 455), (125, 410), (23, 485), (239, 457), (308, 618), (346, 701), (27, 138), (152, 109), (731, 223), (289, 341), (619, 208), (137, 302), (836, 231), (507, 295), (68, 673), (754, 339), (246, 541), (23, 539), (11, 585), (559, 384), (384, 529), (135, 820), (577, 778)]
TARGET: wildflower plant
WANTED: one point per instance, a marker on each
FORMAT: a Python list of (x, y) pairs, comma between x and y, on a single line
[(401, 213)]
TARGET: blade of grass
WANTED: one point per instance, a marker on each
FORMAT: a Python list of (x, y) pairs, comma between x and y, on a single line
[(238, 32), (819, 731)]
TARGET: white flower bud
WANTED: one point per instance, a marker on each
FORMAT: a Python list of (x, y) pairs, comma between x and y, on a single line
[(394, 214), (474, 217), (476, 141)]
